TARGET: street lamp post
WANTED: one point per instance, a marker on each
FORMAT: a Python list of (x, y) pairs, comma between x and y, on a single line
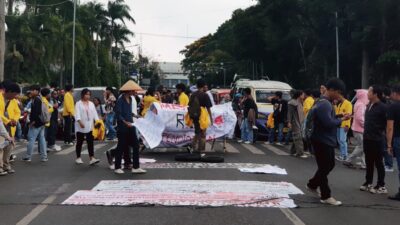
[(224, 70), (73, 46)]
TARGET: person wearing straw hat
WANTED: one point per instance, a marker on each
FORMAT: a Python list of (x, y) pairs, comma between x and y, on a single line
[(126, 132)]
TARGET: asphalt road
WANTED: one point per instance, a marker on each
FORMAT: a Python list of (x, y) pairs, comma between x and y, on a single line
[(33, 194)]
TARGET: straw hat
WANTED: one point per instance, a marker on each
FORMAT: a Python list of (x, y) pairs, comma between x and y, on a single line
[(130, 86)]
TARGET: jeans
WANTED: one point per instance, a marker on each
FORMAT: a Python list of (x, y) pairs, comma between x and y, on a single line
[(342, 140), (297, 145), (110, 125), (325, 157), (80, 137), (278, 127), (396, 151), (18, 134), (125, 141), (359, 149), (374, 158), (247, 131), (67, 129), (387, 158), (33, 134)]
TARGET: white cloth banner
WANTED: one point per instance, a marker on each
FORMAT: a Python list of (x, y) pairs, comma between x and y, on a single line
[(268, 169), (164, 125), (188, 193)]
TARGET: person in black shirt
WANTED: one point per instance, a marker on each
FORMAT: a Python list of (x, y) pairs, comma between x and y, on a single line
[(250, 112), (374, 128), (388, 159), (280, 116), (393, 131), (199, 139), (36, 127)]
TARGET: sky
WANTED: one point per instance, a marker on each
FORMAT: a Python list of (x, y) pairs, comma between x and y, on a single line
[(186, 19)]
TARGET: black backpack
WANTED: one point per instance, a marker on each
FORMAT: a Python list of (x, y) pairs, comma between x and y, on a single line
[(194, 107)]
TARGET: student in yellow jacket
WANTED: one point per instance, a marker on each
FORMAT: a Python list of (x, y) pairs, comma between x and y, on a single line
[(148, 100), (13, 114), (342, 108), (68, 114), (308, 102), (183, 99)]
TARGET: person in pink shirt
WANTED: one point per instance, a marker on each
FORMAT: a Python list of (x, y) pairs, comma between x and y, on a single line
[(358, 128)]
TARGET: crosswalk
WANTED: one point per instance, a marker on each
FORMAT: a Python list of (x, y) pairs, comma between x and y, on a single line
[(230, 148)]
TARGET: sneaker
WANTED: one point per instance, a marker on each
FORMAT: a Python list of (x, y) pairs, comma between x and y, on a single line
[(69, 143), (78, 161), (378, 190), (13, 158), (280, 144), (247, 142), (303, 156), (109, 157), (240, 141), (331, 201), (395, 197), (94, 161), (139, 171), (389, 169), (3, 173), (340, 158), (366, 187), (255, 127), (202, 155), (44, 160), (26, 159), (57, 148), (112, 167), (10, 171), (119, 171)]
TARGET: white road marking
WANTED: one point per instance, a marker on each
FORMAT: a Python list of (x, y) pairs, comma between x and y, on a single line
[(292, 217), (40, 208), (68, 150), (253, 149), (275, 149), (230, 148), (96, 147)]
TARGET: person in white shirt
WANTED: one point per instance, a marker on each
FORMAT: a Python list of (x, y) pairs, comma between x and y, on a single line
[(85, 117)]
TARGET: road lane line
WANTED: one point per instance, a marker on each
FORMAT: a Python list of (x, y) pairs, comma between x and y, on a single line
[(253, 149), (230, 148), (275, 149), (68, 150), (96, 147), (292, 217), (39, 209)]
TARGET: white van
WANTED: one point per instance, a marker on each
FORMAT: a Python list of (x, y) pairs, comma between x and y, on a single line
[(261, 90)]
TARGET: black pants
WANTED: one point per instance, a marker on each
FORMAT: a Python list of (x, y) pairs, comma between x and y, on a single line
[(89, 139), (67, 129), (325, 157), (51, 133), (374, 158), (126, 155), (127, 139)]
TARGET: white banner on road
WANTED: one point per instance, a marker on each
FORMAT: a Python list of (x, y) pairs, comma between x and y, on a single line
[(268, 169), (164, 125), (188, 193)]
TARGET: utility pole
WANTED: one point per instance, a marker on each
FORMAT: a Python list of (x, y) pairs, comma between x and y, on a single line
[(73, 45), (337, 46), (2, 37)]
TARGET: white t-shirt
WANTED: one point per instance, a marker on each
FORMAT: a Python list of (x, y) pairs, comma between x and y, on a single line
[(87, 114)]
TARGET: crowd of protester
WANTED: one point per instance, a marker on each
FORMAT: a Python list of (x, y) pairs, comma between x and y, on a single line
[(313, 122)]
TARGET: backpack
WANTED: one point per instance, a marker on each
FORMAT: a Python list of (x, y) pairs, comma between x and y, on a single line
[(194, 107), (44, 115), (309, 122)]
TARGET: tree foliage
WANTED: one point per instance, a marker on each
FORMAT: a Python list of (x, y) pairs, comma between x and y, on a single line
[(294, 41)]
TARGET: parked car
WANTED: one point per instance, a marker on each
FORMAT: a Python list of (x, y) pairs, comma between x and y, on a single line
[(261, 90), (219, 94)]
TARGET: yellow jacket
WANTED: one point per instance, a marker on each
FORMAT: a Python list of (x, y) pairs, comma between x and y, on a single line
[(344, 108), (147, 101), (69, 105), (14, 113), (183, 99), (99, 133), (49, 108), (270, 121), (3, 109), (204, 119), (308, 104)]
